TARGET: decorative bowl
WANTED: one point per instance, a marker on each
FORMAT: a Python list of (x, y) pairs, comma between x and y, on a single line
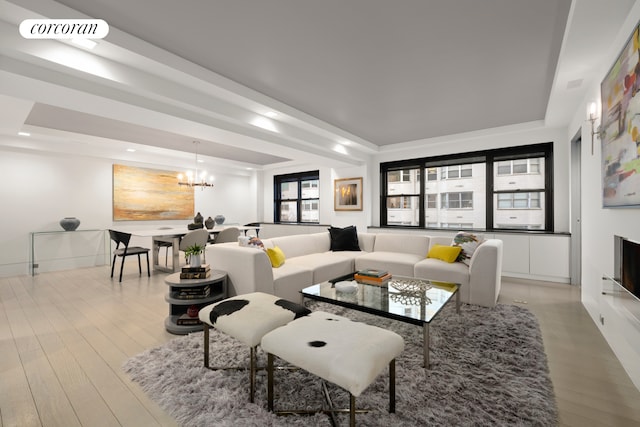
[(69, 223)]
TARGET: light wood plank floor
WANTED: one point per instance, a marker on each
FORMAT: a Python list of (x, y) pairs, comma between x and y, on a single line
[(65, 335)]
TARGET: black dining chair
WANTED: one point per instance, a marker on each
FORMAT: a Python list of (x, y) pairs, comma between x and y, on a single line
[(254, 224), (124, 238)]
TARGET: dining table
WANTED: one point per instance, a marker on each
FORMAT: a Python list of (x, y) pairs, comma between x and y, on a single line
[(162, 235)]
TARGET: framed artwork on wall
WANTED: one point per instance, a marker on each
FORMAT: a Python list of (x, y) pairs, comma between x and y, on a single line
[(620, 128), (141, 194), (347, 194)]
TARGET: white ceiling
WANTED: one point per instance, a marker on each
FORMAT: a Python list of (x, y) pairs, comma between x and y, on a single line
[(357, 74)]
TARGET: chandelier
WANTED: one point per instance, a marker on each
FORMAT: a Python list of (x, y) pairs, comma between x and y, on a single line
[(197, 179)]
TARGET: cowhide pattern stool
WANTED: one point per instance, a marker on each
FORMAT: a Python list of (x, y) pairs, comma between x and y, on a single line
[(336, 349), (248, 318)]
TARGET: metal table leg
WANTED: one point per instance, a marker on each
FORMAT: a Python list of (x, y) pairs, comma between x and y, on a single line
[(175, 261), (425, 345)]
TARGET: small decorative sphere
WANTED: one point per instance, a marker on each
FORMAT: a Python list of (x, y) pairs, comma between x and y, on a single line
[(192, 311), (219, 219)]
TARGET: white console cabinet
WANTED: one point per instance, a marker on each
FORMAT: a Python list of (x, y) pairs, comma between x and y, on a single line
[(539, 257)]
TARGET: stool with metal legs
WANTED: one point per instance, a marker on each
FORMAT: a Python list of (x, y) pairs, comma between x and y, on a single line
[(338, 350), (248, 318)]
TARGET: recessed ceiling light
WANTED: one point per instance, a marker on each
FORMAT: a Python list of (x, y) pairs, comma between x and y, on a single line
[(264, 123), (131, 150), (340, 149), (86, 43), (24, 134)]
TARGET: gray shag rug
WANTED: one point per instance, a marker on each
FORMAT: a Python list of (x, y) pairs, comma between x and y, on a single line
[(488, 369)]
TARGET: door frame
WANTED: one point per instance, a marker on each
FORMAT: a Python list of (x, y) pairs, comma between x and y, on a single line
[(576, 209)]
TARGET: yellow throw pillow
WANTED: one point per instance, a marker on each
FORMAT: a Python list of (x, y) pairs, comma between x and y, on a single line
[(444, 253), (276, 256)]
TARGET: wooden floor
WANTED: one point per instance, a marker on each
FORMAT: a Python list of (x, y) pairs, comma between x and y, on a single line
[(65, 335)]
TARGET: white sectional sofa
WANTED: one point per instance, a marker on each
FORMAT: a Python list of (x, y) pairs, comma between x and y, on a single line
[(309, 260)]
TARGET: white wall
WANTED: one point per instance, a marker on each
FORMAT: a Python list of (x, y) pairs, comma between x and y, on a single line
[(39, 189), (599, 225)]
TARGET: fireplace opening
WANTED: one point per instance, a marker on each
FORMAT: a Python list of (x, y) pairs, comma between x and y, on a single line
[(627, 264)]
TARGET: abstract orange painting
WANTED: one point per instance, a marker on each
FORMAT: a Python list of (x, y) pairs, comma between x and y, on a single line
[(141, 194)]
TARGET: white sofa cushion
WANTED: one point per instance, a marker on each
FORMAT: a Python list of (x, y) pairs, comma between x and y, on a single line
[(402, 243), (435, 269), (366, 241), (352, 255), (288, 278), (395, 263), (439, 240), (325, 266), (302, 244)]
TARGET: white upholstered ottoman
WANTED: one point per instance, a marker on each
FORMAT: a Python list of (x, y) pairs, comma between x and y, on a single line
[(248, 318), (336, 349)]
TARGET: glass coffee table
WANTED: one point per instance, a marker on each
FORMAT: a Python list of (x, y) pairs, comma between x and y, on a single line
[(407, 299)]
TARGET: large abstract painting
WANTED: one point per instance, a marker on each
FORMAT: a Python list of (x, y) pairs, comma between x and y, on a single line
[(620, 128), (141, 194)]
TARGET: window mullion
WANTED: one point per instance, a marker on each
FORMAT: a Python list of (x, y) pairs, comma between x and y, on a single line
[(490, 190)]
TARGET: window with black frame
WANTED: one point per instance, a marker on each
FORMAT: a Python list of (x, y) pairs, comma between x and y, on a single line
[(297, 197), (509, 188), (519, 191), (403, 195)]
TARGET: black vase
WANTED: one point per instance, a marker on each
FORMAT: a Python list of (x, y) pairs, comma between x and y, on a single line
[(198, 219), (209, 223)]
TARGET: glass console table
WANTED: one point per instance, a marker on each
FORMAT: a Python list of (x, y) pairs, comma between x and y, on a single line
[(69, 249)]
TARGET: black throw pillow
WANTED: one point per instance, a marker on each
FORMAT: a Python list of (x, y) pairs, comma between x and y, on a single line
[(344, 239)]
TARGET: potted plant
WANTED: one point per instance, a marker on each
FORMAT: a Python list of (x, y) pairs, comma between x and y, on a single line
[(193, 253)]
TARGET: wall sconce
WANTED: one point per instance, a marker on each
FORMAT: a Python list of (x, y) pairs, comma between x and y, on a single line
[(592, 111)]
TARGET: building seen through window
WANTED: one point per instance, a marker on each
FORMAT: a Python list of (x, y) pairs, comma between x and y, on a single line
[(297, 198), (498, 189)]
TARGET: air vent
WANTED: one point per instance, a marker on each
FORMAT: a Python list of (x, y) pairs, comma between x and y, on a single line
[(573, 84)]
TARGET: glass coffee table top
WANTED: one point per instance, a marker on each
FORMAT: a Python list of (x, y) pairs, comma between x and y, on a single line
[(407, 299)]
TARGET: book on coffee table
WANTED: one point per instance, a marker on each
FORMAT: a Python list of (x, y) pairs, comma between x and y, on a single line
[(372, 280), (370, 272)]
